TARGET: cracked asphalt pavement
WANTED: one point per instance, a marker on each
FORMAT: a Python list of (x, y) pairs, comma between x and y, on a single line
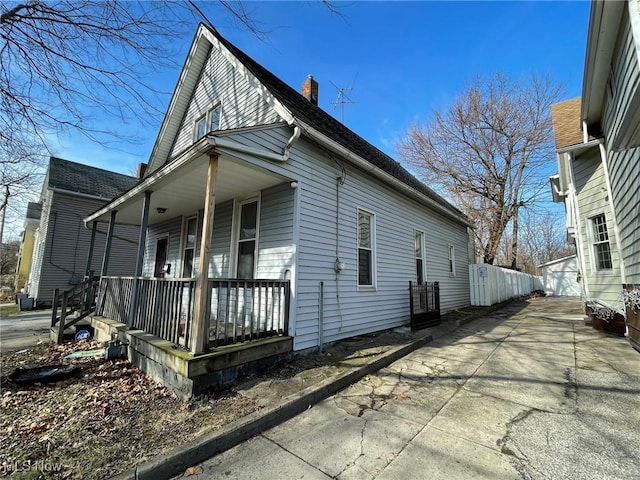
[(528, 392)]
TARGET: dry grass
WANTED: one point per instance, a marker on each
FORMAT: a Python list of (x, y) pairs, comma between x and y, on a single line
[(103, 420)]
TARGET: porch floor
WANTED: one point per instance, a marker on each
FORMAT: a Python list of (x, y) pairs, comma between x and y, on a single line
[(188, 374)]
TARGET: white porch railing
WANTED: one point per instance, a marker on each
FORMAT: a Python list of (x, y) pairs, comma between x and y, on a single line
[(490, 284)]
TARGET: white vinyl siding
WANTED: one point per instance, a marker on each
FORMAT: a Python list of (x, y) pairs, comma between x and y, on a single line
[(276, 250), (275, 243), (325, 231), (624, 165), (242, 104), (604, 285), (397, 217)]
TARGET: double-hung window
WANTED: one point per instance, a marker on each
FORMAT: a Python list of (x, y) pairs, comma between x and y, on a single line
[(247, 239), (366, 249), (601, 246), (215, 114), (419, 248), (201, 127), (452, 260), (188, 254), (209, 122)]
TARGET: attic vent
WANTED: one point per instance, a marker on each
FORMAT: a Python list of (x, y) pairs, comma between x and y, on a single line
[(310, 90)]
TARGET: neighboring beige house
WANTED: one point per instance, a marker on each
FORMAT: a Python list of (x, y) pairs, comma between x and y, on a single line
[(597, 140), (582, 184), (25, 255)]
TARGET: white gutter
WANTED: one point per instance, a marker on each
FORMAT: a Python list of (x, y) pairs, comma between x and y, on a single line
[(580, 146), (222, 142), (555, 191), (578, 235), (183, 159), (602, 33), (78, 194), (378, 172)]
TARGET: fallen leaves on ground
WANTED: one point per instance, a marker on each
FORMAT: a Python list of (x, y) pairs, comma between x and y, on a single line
[(193, 471), (104, 419)]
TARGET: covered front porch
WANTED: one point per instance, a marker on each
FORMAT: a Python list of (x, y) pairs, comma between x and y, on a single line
[(202, 287)]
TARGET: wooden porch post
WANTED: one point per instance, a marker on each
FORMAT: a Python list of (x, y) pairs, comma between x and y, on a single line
[(142, 239), (199, 338), (94, 228), (107, 247)]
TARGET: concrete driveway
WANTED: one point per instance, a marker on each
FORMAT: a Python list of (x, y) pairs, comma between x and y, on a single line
[(24, 330), (529, 392)]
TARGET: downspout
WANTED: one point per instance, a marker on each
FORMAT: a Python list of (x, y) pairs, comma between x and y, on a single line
[(585, 132), (579, 245), (616, 230), (222, 142), (321, 317)]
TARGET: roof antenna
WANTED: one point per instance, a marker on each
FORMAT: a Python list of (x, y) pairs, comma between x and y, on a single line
[(342, 98)]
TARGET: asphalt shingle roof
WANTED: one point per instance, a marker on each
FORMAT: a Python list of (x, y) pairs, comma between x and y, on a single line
[(317, 118), (567, 126), (76, 177)]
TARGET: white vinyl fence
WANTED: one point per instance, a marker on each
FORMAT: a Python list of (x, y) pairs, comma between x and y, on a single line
[(490, 284)]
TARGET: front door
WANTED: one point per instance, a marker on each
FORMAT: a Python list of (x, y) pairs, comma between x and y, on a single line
[(161, 257)]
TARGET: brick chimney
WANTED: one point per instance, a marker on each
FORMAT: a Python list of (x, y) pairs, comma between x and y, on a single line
[(310, 90), (140, 171)]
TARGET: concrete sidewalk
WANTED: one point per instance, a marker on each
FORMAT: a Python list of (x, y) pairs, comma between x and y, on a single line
[(527, 392), (24, 330)]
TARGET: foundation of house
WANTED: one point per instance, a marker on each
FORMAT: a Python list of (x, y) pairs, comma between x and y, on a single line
[(187, 374)]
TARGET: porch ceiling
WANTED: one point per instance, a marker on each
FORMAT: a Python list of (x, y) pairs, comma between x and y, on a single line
[(182, 191)]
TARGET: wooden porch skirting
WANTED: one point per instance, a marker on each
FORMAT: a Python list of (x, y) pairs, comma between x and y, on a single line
[(190, 375)]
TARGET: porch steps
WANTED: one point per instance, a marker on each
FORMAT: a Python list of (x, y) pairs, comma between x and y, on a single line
[(70, 332)]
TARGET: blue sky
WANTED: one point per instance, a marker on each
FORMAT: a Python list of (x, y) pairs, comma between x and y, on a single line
[(401, 59)]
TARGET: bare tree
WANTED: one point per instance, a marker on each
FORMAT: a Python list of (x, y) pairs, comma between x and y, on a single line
[(20, 176), (88, 66), (485, 152), (545, 237)]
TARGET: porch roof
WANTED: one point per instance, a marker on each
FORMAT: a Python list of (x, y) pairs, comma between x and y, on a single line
[(180, 186)]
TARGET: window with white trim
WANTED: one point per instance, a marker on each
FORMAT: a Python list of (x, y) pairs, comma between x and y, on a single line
[(210, 122), (600, 241), (201, 127), (215, 114), (366, 249), (419, 253), (189, 242), (452, 260), (247, 239)]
